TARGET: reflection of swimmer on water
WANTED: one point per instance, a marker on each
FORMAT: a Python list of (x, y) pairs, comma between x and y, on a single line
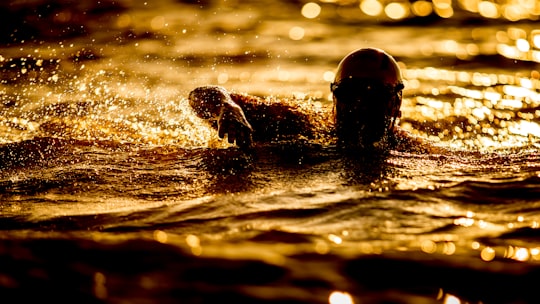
[(367, 93)]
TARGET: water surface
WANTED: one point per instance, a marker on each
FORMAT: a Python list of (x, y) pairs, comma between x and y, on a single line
[(112, 190)]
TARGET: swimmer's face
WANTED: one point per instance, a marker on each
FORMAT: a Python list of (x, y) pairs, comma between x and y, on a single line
[(365, 109)]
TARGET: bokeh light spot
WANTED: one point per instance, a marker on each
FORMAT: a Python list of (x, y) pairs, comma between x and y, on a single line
[(195, 244), (489, 9), (523, 45), (100, 289), (339, 297), (311, 10), (535, 37), (487, 254), (192, 240), (442, 4), (450, 299), (521, 254), (445, 12), (396, 10), (335, 239), (422, 8), (371, 7), (428, 246), (160, 236), (328, 76), (296, 33)]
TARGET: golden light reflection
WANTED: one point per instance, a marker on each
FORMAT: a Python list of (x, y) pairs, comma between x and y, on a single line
[(523, 45), (311, 10), (422, 8), (322, 247), (451, 299), (339, 297), (512, 10), (429, 246), (525, 128), (335, 239), (497, 109), (192, 240), (443, 8), (464, 221), (513, 13), (489, 9), (160, 236), (296, 33), (521, 92), (517, 43), (328, 76), (487, 254), (449, 248), (442, 4), (223, 78), (521, 254), (510, 104), (535, 34), (195, 244), (535, 253), (371, 7), (397, 10), (100, 290)]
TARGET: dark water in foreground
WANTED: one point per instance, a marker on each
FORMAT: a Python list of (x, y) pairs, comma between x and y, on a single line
[(113, 191)]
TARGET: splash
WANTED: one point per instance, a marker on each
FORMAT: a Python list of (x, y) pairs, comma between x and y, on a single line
[(75, 101)]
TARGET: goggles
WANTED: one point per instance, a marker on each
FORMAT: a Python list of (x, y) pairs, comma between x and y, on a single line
[(359, 88)]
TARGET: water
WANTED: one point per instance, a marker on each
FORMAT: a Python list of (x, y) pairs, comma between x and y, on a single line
[(113, 191)]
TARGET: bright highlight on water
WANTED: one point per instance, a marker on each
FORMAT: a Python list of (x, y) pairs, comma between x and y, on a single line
[(113, 190)]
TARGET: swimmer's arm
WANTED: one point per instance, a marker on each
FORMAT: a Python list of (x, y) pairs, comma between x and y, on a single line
[(215, 105), (269, 119), (276, 119)]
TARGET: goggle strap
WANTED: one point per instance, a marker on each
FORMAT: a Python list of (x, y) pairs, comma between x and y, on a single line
[(335, 85)]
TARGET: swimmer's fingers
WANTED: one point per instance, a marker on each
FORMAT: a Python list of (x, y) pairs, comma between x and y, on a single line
[(231, 136), (234, 124), (222, 129), (244, 138), (235, 133)]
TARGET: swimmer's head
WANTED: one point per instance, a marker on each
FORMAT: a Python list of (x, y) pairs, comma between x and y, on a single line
[(367, 94)]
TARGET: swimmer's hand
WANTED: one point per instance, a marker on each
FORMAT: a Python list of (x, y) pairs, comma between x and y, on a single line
[(214, 104), (233, 123)]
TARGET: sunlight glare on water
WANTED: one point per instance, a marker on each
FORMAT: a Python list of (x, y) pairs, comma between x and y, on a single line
[(108, 177), (494, 109), (339, 297)]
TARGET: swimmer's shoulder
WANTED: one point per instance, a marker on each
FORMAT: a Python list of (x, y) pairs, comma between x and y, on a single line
[(279, 118), (246, 100)]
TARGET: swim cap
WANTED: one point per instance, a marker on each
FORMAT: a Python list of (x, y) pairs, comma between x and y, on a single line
[(371, 63)]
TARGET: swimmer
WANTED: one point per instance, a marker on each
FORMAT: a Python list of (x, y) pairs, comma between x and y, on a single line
[(367, 94)]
